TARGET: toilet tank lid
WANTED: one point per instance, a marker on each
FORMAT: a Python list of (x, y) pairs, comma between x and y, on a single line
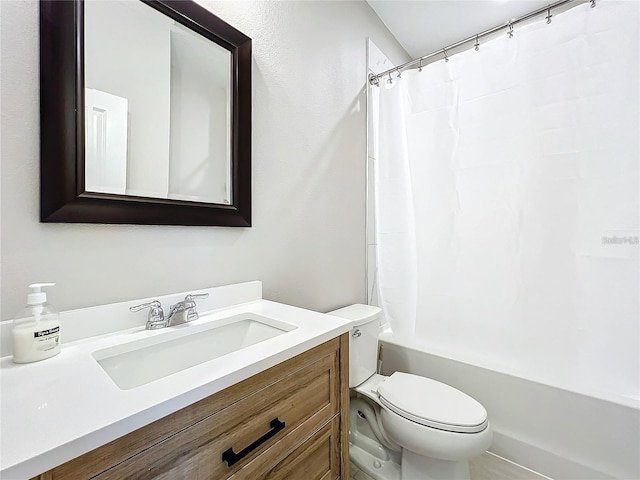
[(359, 314)]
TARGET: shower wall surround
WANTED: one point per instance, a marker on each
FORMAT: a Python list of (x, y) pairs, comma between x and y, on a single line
[(308, 178)]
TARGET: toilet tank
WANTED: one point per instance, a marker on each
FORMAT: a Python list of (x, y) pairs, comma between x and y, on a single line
[(363, 340)]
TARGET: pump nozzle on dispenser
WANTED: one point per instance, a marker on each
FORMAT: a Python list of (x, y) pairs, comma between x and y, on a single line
[(37, 296)]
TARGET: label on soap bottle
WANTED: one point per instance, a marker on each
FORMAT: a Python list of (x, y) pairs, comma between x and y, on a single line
[(47, 339)]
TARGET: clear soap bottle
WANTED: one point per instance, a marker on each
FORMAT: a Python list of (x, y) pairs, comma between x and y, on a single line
[(36, 329)]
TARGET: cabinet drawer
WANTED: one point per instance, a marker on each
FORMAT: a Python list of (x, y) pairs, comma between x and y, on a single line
[(318, 458), (304, 401)]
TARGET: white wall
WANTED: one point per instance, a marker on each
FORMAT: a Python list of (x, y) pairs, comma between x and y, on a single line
[(307, 242)]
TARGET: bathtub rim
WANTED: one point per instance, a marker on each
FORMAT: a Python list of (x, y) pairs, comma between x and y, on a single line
[(386, 335)]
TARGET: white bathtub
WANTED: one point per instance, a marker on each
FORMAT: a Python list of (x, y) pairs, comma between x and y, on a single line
[(561, 434)]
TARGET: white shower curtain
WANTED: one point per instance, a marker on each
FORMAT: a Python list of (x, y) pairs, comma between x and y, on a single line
[(395, 229), (507, 202)]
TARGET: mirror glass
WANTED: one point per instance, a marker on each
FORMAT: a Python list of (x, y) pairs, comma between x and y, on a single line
[(158, 110)]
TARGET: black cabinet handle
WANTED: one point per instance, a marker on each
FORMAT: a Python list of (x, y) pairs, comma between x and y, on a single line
[(231, 457)]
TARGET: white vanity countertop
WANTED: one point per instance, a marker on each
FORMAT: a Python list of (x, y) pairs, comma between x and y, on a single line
[(57, 409)]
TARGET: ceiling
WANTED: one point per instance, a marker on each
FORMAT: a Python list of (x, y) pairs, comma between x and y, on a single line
[(424, 26)]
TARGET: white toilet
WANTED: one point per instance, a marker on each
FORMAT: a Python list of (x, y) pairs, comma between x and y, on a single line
[(407, 427)]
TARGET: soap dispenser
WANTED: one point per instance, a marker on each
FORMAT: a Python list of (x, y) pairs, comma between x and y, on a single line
[(36, 329)]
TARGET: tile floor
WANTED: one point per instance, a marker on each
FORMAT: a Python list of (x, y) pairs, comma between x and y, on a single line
[(492, 467), (357, 474)]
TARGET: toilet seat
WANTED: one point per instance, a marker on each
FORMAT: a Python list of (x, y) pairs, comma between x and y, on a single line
[(432, 403)]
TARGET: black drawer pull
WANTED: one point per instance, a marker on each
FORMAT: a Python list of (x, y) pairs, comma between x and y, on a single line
[(231, 457)]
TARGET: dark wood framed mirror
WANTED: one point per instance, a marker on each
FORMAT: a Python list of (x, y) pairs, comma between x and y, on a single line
[(68, 191)]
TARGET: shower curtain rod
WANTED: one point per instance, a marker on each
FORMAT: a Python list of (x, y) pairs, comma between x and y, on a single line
[(374, 79)]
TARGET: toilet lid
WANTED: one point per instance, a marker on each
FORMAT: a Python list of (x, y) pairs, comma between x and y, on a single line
[(432, 403)]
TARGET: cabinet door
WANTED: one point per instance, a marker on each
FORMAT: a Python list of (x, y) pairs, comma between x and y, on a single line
[(316, 459)]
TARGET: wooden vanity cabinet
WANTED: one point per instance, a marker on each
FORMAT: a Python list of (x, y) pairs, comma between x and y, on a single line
[(288, 422)]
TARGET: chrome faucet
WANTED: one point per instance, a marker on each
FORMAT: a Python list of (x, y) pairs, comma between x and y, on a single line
[(156, 314), (185, 310)]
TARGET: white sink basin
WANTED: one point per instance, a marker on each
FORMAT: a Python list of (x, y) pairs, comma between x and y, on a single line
[(135, 363)]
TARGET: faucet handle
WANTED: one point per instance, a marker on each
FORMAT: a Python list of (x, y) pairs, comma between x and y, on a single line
[(190, 305), (153, 305), (156, 314), (193, 296)]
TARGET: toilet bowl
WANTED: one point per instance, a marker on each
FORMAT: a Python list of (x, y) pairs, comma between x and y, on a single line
[(404, 426)]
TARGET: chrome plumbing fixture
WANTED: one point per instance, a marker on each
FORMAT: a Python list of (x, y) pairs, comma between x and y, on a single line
[(156, 318), (185, 310)]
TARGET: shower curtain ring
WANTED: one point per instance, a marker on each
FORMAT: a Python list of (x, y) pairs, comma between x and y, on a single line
[(477, 44), (593, 3), (446, 58), (399, 73), (390, 81), (420, 66), (549, 16), (511, 29)]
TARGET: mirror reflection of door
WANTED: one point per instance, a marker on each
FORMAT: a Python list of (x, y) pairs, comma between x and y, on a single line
[(105, 142), (176, 89)]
